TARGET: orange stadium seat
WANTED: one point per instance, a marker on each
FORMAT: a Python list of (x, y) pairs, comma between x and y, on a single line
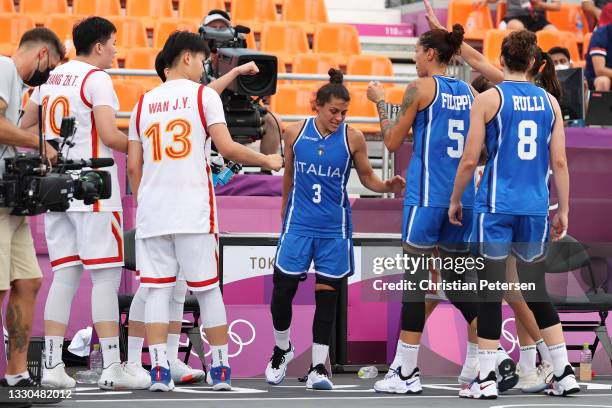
[(142, 58), (197, 9), (7, 6), (377, 65), (284, 39), (309, 12), (39, 9), (339, 39), (500, 13), (395, 94), (166, 26), (313, 64), (253, 13), (491, 46), (12, 27), (62, 24), (363, 107), (96, 7), (292, 99), (149, 10), (585, 45), (128, 93), (130, 33), (552, 38), (475, 20), (566, 19)]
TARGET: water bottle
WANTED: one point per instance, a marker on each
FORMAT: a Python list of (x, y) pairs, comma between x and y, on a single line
[(579, 28), (96, 363), (224, 176), (586, 372), (367, 372)]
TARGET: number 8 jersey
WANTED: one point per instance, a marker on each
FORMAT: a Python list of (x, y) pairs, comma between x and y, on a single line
[(318, 204), (515, 180), (176, 194), (439, 133)]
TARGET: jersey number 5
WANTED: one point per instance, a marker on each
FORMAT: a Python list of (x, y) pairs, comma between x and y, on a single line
[(180, 129), (454, 129)]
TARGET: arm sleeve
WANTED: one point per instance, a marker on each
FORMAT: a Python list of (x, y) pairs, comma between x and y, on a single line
[(132, 133), (99, 90), (599, 44), (213, 108)]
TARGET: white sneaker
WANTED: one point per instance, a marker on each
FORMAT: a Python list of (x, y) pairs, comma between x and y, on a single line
[(481, 389), (390, 373), (56, 377), (396, 384), (114, 377), (564, 385), (277, 366), (318, 378), (530, 382), (184, 374), (468, 373), (546, 371), (138, 377)]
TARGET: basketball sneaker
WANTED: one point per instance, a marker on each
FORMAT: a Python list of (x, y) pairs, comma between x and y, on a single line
[(56, 377), (397, 384), (221, 378), (506, 372), (139, 378), (277, 366), (318, 378), (184, 374), (564, 385), (161, 379), (481, 389), (114, 377), (530, 382)]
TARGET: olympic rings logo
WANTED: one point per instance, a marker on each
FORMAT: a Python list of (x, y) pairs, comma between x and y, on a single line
[(509, 336), (234, 337)]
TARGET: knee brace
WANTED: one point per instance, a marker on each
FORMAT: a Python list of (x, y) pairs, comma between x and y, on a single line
[(104, 301), (325, 315), (465, 301), (413, 301), (212, 308), (63, 288), (157, 306), (137, 307), (284, 290), (537, 300), (177, 301), (489, 310)]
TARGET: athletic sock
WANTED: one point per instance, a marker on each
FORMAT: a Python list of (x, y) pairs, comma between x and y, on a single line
[(135, 349), (471, 355), (527, 360), (319, 354), (53, 350), (14, 379), (558, 354), (110, 350), (397, 359), (158, 355), (487, 360), (543, 350), (173, 346), (281, 339), (410, 354), (219, 356)]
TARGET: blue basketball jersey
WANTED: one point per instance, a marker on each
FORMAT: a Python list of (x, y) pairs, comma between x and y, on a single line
[(439, 134), (318, 204), (515, 180)]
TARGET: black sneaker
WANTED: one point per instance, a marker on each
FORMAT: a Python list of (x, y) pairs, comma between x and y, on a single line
[(32, 392)]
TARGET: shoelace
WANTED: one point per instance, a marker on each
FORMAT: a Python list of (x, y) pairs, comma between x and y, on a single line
[(278, 357), (321, 370)]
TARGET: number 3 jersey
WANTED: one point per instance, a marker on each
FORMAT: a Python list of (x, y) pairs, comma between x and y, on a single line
[(515, 180), (176, 194), (439, 133), (318, 204), (74, 89)]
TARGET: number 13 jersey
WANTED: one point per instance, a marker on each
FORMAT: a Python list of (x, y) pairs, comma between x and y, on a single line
[(318, 204), (440, 133), (515, 180)]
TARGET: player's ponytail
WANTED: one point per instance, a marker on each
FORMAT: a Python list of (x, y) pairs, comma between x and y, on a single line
[(447, 44), (335, 88), (544, 74)]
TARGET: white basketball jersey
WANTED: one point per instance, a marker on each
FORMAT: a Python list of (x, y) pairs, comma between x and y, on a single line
[(73, 89), (176, 192)]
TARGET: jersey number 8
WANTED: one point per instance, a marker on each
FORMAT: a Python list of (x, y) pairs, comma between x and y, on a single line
[(527, 145)]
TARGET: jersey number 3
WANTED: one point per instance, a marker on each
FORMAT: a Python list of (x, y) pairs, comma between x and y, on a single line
[(180, 129)]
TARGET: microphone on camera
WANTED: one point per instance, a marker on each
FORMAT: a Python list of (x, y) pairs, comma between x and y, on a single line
[(93, 163)]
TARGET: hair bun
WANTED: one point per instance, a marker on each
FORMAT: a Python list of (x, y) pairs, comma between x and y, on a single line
[(335, 76), (455, 37)]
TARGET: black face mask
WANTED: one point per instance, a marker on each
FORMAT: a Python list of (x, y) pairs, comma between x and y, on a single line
[(39, 77)]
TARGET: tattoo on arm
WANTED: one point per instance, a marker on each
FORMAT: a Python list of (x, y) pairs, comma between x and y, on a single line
[(409, 98), (17, 329), (385, 123)]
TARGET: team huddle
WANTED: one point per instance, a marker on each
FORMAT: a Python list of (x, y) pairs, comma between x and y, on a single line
[(515, 127)]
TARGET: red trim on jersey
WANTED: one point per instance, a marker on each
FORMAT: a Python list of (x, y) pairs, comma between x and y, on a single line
[(117, 216), (114, 259), (64, 260), (85, 101), (201, 109), (201, 284), (138, 109), (169, 279), (211, 198), (94, 151)]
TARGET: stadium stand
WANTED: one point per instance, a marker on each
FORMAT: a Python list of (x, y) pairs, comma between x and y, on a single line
[(475, 20), (284, 40), (197, 9), (308, 12), (341, 40), (39, 9), (143, 58), (12, 27), (253, 13), (149, 10), (570, 18), (96, 7)]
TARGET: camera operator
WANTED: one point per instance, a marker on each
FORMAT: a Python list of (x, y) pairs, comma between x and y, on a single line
[(86, 236), (270, 141), (39, 51)]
